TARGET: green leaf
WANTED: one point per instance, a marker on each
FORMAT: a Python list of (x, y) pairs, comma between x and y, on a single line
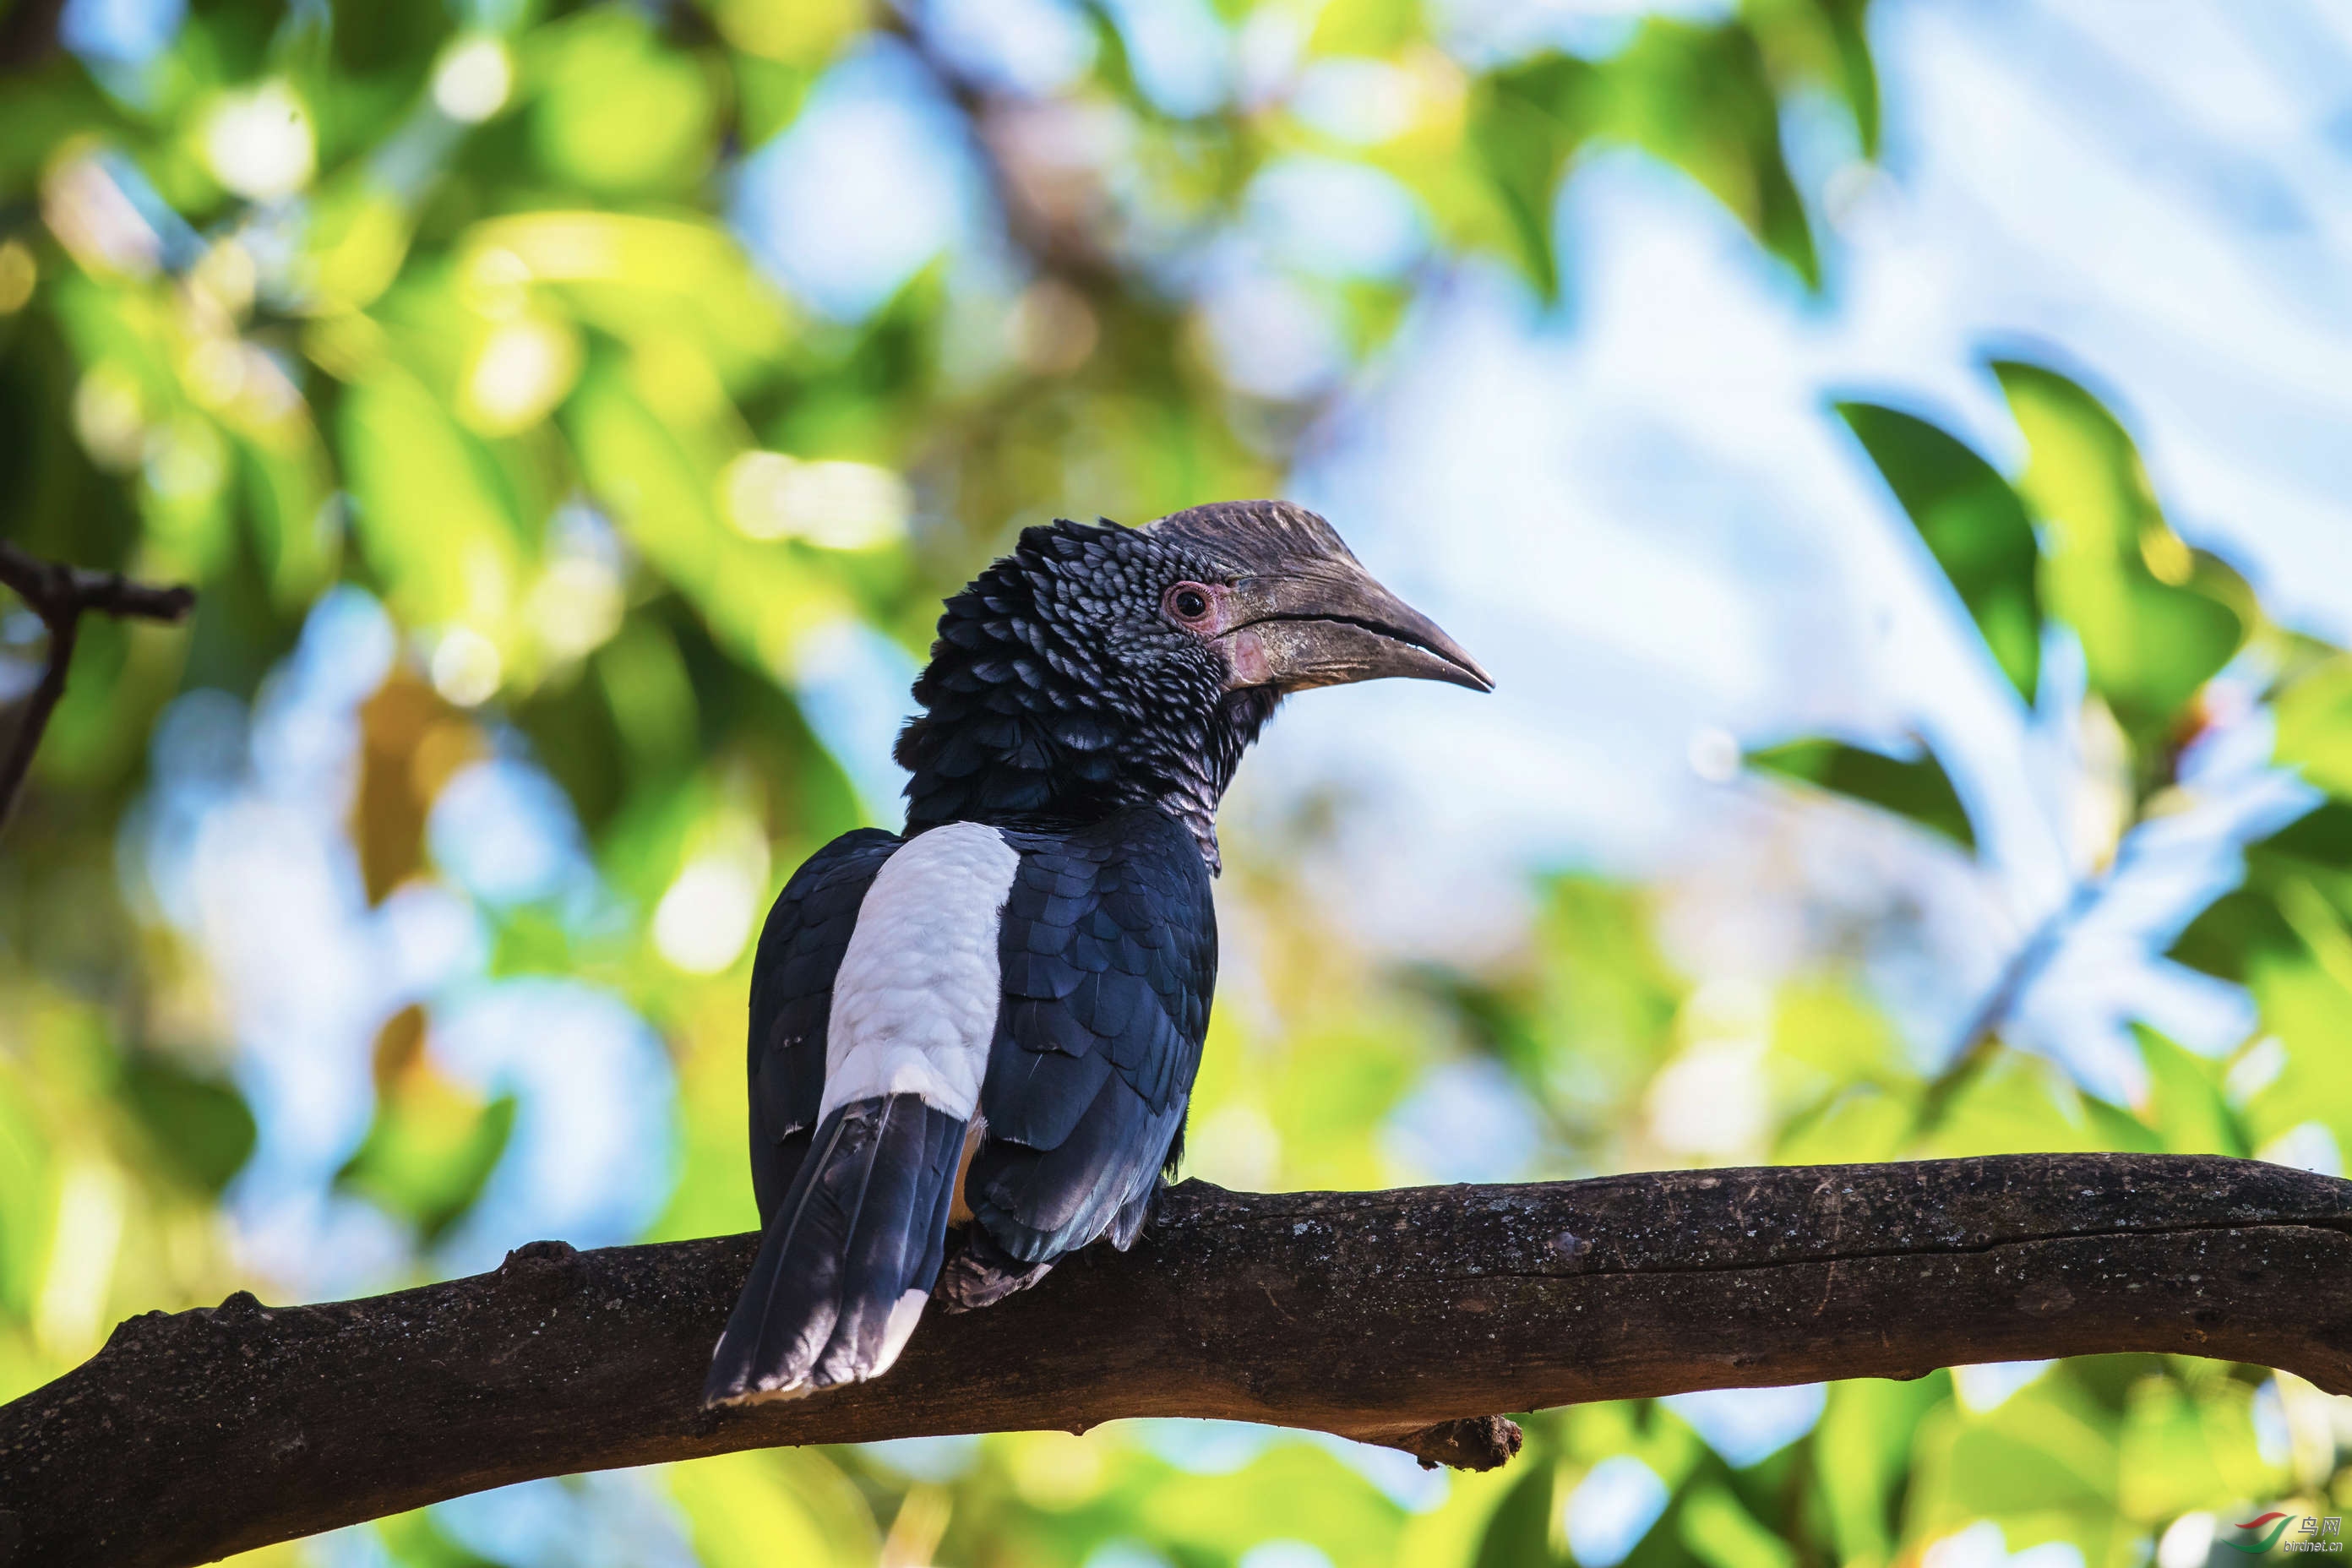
[(2191, 1447), (434, 1142), (1833, 1033), (1839, 53), (678, 286), (2244, 926), (2319, 840), (768, 94), (2112, 1127), (1520, 1530), (200, 1124), (427, 506), (2184, 1103), (2047, 1450), (652, 699), (1854, 1126), (2166, 1466), (1701, 99), (802, 35), (1919, 789), (2229, 934), (754, 1508), (287, 494), (1863, 1455), (2022, 1104), (429, 1163), (1972, 523), (2315, 726), (1525, 123), (1838, 1065), (1365, 27), (29, 1197), (2156, 623), (1721, 1532), (1317, 1499), (416, 1541), (2309, 1010), (619, 113)]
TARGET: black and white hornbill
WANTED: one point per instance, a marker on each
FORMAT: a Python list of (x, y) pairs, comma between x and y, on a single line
[(992, 1020)]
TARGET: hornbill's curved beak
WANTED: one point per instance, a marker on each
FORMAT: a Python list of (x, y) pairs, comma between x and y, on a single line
[(1328, 622)]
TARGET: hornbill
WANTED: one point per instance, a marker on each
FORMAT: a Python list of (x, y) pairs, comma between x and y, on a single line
[(973, 1042)]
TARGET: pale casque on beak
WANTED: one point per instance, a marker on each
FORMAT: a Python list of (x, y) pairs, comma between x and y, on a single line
[(1333, 624), (1296, 609)]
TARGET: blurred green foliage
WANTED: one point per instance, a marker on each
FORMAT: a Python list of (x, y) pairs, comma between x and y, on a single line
[(383, 296), (1973, 522), (1913, 787)]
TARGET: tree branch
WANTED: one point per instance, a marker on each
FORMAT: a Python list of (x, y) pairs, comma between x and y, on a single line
[(1399, 1318), (28, 36), (60, 595)]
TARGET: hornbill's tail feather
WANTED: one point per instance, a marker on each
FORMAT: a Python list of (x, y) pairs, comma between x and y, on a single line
[(849, 1256)]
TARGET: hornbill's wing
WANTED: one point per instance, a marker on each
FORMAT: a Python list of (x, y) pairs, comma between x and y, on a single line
[(801, 949), (1109, 948)]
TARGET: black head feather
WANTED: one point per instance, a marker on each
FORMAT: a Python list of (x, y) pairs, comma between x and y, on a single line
[(1059, 692)]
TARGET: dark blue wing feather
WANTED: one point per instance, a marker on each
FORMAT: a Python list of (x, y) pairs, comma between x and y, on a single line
[(792, 1001), (1109, 954)]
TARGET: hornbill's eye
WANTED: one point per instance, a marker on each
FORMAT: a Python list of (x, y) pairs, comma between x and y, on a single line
[(1188, 603)]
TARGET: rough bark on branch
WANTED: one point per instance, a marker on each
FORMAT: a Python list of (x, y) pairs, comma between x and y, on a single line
[(1395, 1317)]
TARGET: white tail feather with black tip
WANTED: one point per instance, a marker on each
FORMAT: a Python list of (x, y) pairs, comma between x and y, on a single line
[(849, 1256)]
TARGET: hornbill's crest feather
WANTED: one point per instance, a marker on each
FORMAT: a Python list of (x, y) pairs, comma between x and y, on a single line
[(1058, 693)]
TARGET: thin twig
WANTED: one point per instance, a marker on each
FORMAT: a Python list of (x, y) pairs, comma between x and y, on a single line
[(60, 595)]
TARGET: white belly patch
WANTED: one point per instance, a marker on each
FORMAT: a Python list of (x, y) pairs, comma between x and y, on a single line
[(913, 1004)]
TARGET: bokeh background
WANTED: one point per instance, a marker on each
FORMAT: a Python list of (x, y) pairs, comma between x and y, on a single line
[(1892, 453)]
